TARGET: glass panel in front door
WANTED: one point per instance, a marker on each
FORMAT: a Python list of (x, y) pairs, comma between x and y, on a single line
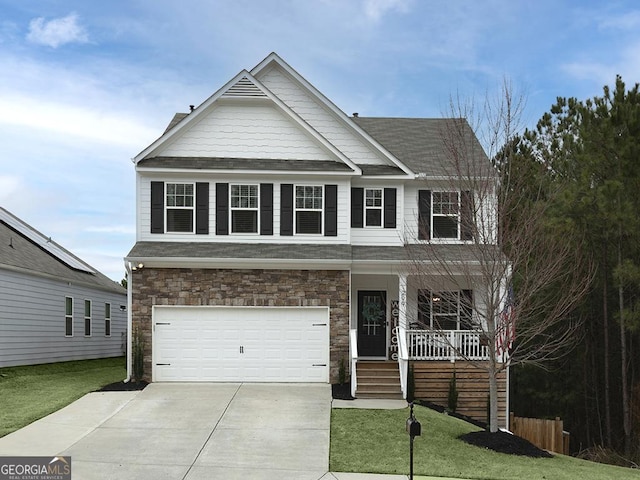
[(373, 314)]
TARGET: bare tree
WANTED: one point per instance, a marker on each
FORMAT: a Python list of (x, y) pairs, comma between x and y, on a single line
[(525, 273)]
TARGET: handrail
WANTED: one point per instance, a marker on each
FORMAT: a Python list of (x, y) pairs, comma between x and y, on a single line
[(446, 345), (403, 359), (353, 348)]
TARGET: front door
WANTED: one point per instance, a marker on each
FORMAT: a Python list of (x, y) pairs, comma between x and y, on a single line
[(372, 323)]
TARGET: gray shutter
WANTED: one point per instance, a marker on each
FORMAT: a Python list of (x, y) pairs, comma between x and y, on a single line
[(331, 210), (266, 209), (389, 208), (202, 208), (222, 209), (357, 207), (286, 209), (424, 214), (157, 207), (466, 215)]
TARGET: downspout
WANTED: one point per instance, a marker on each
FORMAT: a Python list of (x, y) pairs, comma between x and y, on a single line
[(127, 266)]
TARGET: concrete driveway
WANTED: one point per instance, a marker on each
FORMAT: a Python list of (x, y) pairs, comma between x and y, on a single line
[(190, 432)]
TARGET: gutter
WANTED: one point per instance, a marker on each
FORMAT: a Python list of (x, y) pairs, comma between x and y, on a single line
[(127, 266)]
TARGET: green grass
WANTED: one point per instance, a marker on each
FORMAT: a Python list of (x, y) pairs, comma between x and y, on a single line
[(32, 392), (375, 441)]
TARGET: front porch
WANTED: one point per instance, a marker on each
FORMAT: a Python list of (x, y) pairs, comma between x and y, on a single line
[(391, 329)]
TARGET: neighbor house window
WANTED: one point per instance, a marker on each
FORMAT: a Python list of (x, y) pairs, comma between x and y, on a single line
[(68, 317), (445, 310), (445, 217), (373, 207), (107, 319), (87, 318), (308, 209), (244, 208), (180, 207)]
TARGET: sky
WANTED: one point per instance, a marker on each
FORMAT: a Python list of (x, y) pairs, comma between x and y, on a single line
[(85, 86)]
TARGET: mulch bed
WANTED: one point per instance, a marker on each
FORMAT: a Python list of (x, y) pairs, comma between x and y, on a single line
[(504, 442), (124, 387)]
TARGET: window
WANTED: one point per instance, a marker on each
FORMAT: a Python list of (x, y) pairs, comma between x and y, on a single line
[(107, 319), (244, 208), (87, 318), (445, 214), (308, 209), (68, 317), (446, 310), (180, 207), (373, 207)]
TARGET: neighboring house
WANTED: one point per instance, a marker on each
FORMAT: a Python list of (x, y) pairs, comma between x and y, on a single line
[(53, 306), (272, 237)]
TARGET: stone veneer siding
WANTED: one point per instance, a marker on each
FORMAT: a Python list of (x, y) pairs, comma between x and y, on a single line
[(299, 288)]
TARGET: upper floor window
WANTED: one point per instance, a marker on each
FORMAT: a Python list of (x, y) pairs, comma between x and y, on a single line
[(308, 209), (445, 310), (373, 207), (244, 208), (180, 207), (445, 214)]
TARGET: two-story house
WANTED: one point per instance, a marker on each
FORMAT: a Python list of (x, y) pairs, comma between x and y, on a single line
[(272, 240)]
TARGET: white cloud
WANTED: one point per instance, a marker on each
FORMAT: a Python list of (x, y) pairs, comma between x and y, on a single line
[(626, 21), (375, 9), (56, 32)]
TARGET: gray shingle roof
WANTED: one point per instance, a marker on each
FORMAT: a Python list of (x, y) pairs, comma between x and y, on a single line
[(271, 251), (20, 253), (419, 143), (213, 163), (422, 145)]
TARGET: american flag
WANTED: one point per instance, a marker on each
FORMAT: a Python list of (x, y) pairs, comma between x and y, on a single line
[(506, 331)]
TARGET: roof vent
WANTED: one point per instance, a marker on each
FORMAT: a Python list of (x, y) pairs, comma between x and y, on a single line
[(244, 88), (355, 114)]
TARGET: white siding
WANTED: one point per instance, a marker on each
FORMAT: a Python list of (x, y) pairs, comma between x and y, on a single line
[(144, 213), (486, 216), (320, 118), (379, 235), (32, 321), (246, 131)]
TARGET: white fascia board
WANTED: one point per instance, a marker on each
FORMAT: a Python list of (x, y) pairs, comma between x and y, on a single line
[(343, 117), (241, 263)]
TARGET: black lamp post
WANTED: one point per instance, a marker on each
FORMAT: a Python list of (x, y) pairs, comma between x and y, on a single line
[(414, 429)]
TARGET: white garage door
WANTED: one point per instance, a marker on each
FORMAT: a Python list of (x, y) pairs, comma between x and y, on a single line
[(241, 344)]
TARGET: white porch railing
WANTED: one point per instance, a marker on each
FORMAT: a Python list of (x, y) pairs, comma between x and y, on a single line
[(446, 345), (353, 348)]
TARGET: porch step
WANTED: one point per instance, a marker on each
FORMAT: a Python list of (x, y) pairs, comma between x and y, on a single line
[(378, 379)]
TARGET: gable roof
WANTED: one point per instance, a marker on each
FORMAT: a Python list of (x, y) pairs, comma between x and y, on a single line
[(243, 86), (418, 147), (274, 59), (422, 144), (24, 249)]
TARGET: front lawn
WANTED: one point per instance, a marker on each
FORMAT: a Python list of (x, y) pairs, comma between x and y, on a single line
[(31, 392), (375, 441)]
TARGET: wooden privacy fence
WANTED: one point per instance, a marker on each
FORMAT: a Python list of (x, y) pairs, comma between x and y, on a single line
[(546, 434)]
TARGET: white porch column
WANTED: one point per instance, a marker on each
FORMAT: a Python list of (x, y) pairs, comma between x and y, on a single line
[(402, 301)]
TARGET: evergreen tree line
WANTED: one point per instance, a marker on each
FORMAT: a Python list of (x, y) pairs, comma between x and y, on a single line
[(585, 157)]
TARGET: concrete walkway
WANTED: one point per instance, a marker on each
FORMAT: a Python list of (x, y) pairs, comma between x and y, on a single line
[(195, 431)]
